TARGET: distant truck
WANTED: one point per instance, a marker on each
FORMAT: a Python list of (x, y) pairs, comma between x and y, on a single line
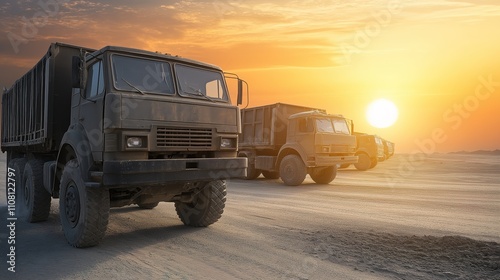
[(114, 127), (369, 149), (388, 148), (289, 141)]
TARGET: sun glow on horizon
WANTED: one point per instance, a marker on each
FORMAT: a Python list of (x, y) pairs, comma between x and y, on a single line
[(382, 113)]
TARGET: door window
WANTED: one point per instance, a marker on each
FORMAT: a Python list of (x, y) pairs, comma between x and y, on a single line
[(95, 80)]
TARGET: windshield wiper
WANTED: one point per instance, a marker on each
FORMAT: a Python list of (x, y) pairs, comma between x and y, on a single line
[(198, 92), (132, 86)]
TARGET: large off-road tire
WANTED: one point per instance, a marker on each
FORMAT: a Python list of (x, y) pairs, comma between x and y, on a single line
[(324, 175), (271, 174), (364, 162), (147, 205), (374, 162), (34, 198), (292, 170), (84, 211), (207, 205), (344, 165)]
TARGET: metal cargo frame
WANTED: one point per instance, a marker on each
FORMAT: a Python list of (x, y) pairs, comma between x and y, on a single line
[(265, 127), (36, 109)]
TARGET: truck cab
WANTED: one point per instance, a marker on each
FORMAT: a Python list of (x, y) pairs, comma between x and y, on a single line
[(388, 148), (321, 139), (290, 141), (149, 118)]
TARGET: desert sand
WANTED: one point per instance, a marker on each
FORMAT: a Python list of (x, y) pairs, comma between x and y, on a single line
[(411, 217)]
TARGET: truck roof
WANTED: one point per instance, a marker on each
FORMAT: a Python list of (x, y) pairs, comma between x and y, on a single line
[(314, 113), (126, 50), (280, 104)]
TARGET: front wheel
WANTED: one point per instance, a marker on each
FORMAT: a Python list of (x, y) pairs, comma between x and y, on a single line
[(324, 175), (206, 207), (364, 162), (292, 170), (84, 211)]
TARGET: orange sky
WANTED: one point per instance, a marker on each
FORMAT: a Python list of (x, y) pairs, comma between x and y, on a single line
[(428, 57)]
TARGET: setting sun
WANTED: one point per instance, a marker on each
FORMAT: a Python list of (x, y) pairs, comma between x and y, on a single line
[(382, 113)]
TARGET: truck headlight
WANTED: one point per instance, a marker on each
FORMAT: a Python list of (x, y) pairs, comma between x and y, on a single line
[(134, 142), (325, 149), (228, 143)]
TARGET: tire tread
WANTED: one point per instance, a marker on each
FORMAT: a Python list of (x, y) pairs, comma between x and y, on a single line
[(208, 215)]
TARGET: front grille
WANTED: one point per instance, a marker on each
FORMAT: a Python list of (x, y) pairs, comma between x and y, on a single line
[(175, 137)]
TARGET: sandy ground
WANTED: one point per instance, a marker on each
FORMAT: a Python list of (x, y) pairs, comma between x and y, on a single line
[(435, 218)]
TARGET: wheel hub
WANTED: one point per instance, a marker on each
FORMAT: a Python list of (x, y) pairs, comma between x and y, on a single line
[(288, 170), (27, 190), (72, 208)]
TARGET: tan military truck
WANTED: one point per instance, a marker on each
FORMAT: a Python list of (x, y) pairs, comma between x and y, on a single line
[(369, 149), (114, 127), (388, 148), (289, 141)]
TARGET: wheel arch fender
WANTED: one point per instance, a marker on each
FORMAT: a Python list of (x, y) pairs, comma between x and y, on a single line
[(291, 150), (74, 145)]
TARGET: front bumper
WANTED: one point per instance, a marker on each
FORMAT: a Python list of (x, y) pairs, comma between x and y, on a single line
[(332, 160), (167, 171)]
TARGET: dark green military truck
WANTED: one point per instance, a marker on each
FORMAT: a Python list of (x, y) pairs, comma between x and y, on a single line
[(114, 127)]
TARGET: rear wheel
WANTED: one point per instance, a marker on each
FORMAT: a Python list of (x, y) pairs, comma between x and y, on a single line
[(364, 162), (84, 211), (324, 175), (35, 200), (345, 165), (374, 162), (206, 207), (147, 205), (271, 174), (292, 170), (252, 173)]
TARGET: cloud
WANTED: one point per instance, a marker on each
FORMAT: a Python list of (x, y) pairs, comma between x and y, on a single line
[(301, 29)]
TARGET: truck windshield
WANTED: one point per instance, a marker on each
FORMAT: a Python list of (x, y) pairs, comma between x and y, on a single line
[(142, 75), (332, 125), (341, 126), (200, 83)]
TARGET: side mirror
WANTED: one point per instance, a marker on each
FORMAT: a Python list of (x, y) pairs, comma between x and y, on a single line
[(76, 81), (79, 71), (240, 92)]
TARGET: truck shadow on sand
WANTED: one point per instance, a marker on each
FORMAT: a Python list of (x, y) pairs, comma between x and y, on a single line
[(42, 251)]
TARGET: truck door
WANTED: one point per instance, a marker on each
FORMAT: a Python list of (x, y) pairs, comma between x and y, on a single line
[(91, 108)]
